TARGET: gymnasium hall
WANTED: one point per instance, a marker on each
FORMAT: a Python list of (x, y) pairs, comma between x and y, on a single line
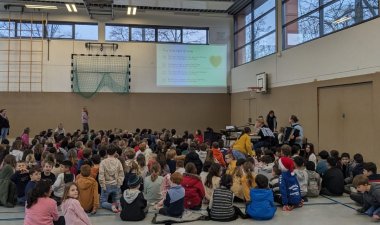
[(187, 83)]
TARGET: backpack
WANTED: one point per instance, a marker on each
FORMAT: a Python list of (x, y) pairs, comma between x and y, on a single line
[(313, 184)]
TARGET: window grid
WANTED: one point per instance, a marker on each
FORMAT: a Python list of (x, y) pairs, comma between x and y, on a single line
[(358, 17), (17, 33), (177, 31), (254, 39)]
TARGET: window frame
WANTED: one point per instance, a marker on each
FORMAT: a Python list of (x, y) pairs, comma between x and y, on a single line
[(156, 28), (320, 11), (250, 25)]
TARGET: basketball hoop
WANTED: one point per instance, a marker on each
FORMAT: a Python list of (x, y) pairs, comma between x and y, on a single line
[(253, 90)]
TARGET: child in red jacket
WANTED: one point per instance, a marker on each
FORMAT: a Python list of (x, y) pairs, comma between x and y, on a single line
[(194, 190)]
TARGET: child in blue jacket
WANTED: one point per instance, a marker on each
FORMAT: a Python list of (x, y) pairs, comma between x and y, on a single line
[(262, 205), (289, 187)]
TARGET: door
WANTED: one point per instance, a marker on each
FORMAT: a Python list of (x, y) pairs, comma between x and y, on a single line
[(345, 118)]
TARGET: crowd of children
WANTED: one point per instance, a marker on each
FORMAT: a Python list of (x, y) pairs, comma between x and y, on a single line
[(127, 172)]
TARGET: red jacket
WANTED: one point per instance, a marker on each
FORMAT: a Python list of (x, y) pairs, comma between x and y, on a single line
[(218, 156), (194, 190)]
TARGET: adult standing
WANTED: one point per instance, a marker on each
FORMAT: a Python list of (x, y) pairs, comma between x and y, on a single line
[(298, 139), (272, 121), (4, 124), (85, 119)]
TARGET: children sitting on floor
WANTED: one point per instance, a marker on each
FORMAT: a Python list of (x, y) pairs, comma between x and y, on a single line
[(212, 180), (8, 193), (40, 208), (35, 176), (262, 205), (133, 203), (175, 197), (289, 187), (194, 190), (231, 163), (71, 208), (221, 206), (314, 180), (243, 181), (302, 176), (369, 171), (63, 178), (152, 184), (333, 180), (371, 196), (88, 190), (21, 179), (46, 173), (322, 165)]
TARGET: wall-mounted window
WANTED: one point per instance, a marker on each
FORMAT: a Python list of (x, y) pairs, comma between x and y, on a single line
[(255, 31), (59, 31), (151, 33), (305, 20), (86, 32), (27, 29), (117, 33), (169, 35), (7, 29)]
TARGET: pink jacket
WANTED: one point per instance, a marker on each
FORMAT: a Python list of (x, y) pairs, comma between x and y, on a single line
[(44, 212), (74, 213)]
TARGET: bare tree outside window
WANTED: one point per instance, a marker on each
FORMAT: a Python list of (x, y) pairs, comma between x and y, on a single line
[(194, 36), (169, 35), (7, 29), (117, 33), (60, 31)]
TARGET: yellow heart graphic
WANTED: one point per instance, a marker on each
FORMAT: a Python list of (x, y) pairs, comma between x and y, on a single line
[(215, 60)]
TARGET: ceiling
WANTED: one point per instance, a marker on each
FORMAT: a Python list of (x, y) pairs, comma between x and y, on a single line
[(95, 8)]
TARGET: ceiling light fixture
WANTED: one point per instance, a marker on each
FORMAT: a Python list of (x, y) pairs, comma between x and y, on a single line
[(131, 10), (74, 8), (71, 8), (68, 8), (41, 6)]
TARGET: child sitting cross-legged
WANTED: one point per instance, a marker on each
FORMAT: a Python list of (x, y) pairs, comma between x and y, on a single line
[(65, 177), (88, 190), (289, 187), (262, 205), (35, 176), (21, 179), (71, 208), (133, 203), (221, 206), (40, 209), (175, 197), (371, 196)]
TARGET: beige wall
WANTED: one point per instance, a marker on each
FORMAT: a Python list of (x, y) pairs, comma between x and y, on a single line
[(40, 111), (302, 100)]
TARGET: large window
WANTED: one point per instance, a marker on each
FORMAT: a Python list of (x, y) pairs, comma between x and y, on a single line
[(147, 33), (305, 20), (86, 32), (255, 31), (52, 30), (58, 31)]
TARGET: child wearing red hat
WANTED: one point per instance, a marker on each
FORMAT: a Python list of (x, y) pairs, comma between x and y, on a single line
[(289, 187)]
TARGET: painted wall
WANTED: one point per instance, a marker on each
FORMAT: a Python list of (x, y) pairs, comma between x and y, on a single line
[(56, 69), (351, 52)]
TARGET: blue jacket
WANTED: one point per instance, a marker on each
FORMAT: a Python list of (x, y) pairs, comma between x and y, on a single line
[(175, 201), (262, 205), (290, 189)]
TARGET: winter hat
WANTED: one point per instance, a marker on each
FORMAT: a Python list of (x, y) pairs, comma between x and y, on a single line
[(286, 164), (134, 180)]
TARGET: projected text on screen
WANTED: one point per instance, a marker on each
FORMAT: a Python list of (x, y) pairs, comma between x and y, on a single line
[(192, 65)]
